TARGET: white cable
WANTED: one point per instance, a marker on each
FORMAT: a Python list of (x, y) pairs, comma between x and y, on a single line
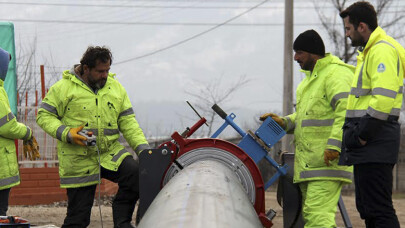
[(99, 185)]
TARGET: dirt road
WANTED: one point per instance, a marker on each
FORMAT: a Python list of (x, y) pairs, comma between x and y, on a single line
[(48, 214)]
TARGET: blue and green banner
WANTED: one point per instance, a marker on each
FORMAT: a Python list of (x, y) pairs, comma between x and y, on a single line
[(7, 42)]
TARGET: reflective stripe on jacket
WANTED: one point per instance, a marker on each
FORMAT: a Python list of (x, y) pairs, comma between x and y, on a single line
[(10, 129), (71, 103), (377, 85), (375, 102), (318, 120)]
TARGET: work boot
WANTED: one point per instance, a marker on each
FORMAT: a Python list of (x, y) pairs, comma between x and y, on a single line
[(122, 215), (125, 225)]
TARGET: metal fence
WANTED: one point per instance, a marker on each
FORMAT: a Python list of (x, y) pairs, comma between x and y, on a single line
[(47, 144)]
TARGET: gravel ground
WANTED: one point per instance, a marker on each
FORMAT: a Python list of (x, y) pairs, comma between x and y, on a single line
[(54, 214)]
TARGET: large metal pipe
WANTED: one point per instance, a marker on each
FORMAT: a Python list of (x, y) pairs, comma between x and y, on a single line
[(204, 194)]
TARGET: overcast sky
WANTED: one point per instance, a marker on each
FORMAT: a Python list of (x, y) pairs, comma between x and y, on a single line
[(163, 48)]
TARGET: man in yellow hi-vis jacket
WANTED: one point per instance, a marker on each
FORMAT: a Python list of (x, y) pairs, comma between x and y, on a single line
[(371, 130), (317, 127), (10, 129), (90, 97)]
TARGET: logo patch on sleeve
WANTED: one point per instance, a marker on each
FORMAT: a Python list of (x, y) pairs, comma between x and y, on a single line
[(381, 68)]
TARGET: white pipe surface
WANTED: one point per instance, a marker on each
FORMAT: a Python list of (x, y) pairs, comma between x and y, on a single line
[(204, 194)]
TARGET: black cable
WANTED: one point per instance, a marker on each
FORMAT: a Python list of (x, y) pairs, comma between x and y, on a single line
[(192, 37), (149, 6)]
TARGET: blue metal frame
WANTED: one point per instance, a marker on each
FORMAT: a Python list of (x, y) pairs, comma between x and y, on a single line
[(269, 132)]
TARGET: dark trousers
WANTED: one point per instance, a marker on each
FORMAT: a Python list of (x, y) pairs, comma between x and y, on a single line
[(373, 186), (80, 200), (4, 194)]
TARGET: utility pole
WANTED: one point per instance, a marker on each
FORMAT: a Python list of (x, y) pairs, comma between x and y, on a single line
[(286, 143)]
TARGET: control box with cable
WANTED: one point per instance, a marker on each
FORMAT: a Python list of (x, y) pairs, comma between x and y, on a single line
[(91, 138)]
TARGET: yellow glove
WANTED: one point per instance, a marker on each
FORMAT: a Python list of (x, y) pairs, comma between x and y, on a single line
[(330, 155), (76, 138), (31, 149), (275, 117)]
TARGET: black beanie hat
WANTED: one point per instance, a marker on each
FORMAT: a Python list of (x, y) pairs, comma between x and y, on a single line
[(311, 42)]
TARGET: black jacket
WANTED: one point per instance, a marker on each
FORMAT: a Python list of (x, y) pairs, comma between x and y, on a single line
[(383, 139)]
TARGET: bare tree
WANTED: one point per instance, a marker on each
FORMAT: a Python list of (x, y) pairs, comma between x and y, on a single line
[(28, 71), (211, 93), (25, 68), (388, 13)]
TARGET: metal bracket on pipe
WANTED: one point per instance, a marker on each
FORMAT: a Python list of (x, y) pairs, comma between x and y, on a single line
[(152, 166), (256, 145)]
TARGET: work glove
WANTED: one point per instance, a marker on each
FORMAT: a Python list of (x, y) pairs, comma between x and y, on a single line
[(275, 117), (31, 148), (330, 155), (75, 138)]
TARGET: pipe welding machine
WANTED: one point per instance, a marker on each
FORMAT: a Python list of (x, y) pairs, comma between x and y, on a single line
[(208, 182)]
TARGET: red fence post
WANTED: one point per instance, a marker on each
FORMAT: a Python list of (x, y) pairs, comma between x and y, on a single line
[(26, 105), (42, 81), (36, 102), (43, 96)]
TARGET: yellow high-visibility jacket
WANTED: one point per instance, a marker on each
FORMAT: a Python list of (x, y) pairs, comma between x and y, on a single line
[(375, 101), (10, 129), (318, 120), (71, 103)]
